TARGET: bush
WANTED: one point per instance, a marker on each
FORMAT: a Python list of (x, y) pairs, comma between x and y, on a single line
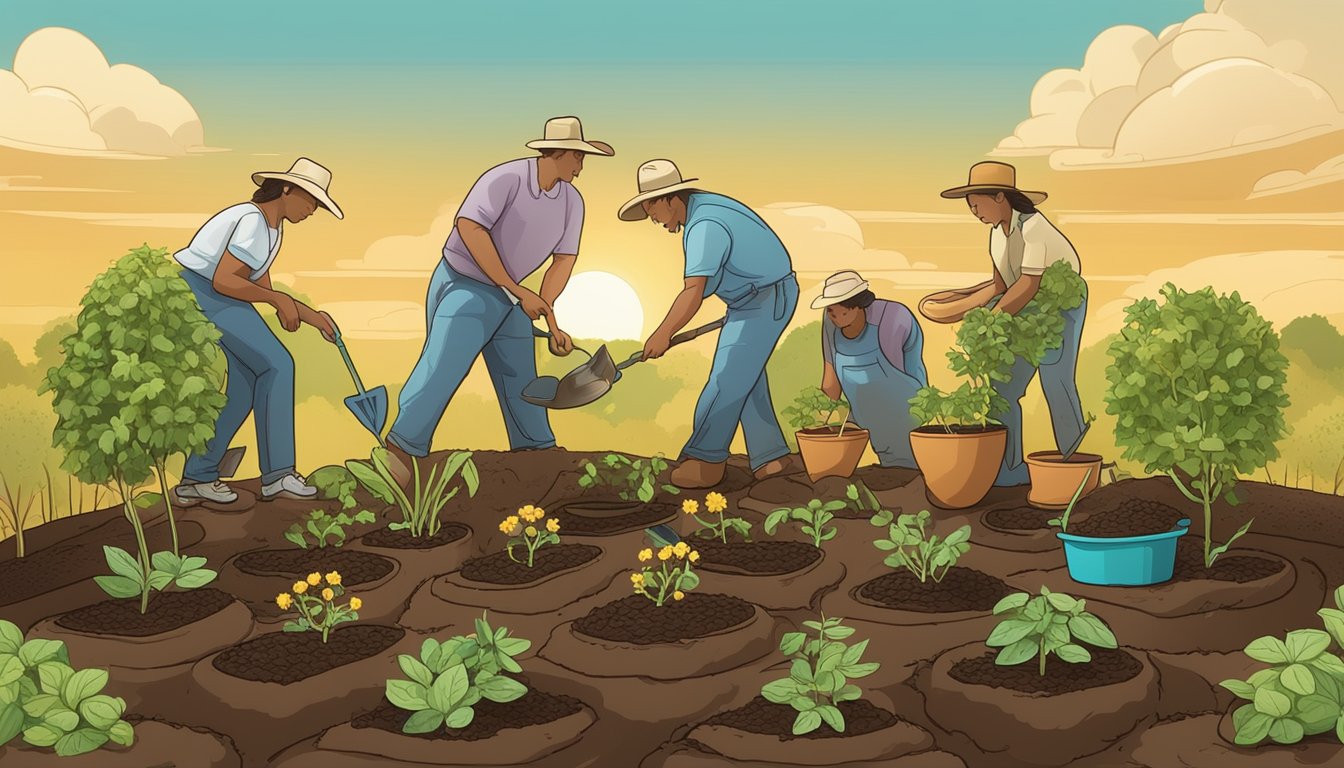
[(1035, 627), (1196, 385), (819, 678)]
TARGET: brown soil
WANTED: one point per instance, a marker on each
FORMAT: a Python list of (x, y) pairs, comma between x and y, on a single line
[(962, 589), (1135, 517), (957, 429), (497, 568), (355, 567), (635, 619), (402, 538), (649, 514), (167, 611), (764, 717), (758, 558), (1228, 567), (288, 657), (534, 708), (1020, 519), (1106, 668)]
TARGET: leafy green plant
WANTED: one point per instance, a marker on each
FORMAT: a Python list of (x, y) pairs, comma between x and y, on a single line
[(815, 518), (673, 577), (1035, 627), (813, 409), (322, 525), (1062, 522), (862, 500), (1196, 384), (429, 495), (52, 704), (630, 478), (716, 504), (914, 547), (128, 580), (316, 600), (820, 675), (335, 483), (450, 677), (523, 531), (1302, 692)]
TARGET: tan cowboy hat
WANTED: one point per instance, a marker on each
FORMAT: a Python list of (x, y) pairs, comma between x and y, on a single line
[(567, 133), (308, 176), (990, 177), (655, 179), (839, 287)]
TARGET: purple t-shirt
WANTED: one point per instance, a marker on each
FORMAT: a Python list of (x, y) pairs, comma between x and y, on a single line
[(894, 323), (526, 223)]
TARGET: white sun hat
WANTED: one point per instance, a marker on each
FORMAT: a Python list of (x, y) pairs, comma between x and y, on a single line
[(567, 133), (839, 287), (308, 176), (654, 179)]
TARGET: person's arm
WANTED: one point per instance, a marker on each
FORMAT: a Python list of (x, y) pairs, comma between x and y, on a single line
[(232, 280), (830, 382), (912, 353), (1019, 295), (552, 285), (482, 248), (679, 314), (1034, 232)]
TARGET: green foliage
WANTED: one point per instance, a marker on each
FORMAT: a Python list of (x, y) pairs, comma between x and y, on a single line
[(1318, 340), (630, 478), (815, 518), (429, 495), (128, 579), (862, 500), (819, 678), (716, 506), (1035, 627), (52, 704), (1197, 386), (25, 422), (322, 525), (812, 409), (914, 547), (450, 677), (335, 483), (1302, 691)]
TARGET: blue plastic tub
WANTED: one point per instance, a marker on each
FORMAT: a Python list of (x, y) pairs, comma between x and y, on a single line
[(1125, 562)]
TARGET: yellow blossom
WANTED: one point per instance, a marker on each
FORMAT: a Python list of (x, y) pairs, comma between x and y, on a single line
[(637, 579), (553, 525), (356, 603), (328, 595), (530, 530), (530, 513), (678, 595), (694, 556), (284, 601), (334, 578), (300, 587), (645, 555), (690, 506), (509, 526), (681, 549), (715, 502), (665, 553), (314, 579)]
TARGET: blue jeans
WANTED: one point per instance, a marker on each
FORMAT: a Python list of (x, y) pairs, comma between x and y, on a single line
[(737, 390), (465, 318), (261, 381)]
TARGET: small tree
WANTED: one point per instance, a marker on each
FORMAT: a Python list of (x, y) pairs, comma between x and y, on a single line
[(1197, 389)]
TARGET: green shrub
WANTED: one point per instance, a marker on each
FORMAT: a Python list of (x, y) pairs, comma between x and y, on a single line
[(1035, 627), (631, 478), (914, 547), (812, 409), (820, 676), (336, 483)]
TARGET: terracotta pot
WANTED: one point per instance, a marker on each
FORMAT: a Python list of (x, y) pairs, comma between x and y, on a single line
[(959, 467), (1054, 481), (828, 453)]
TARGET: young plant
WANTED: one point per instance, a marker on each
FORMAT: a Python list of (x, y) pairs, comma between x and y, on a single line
[(1062, 522), (863, 501), (716, 504), (914, 547), (51, 704), (315, 599), (1197, 384), (812, 409), (1035, 627), (450, 677), (429, 495), (128, 580), (814, 517), (674, 577), (819, 678), (336, 483), (523, 531), (322, 525), (631, 478)]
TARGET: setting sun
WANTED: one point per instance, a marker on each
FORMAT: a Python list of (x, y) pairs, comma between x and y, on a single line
[(600, 305)]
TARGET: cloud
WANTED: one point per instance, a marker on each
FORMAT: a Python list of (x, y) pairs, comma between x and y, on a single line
[(111, 219), (399, 255), (821, 238), (1217, 219), (383, 320), (1292, 180), (1245, 75), (62, 97), (25, 185)]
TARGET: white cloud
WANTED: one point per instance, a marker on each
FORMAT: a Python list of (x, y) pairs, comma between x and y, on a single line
[(1292, 180), (62, 97), (399, 255), (821, 238), (1243, 76), (383, 320), (111, 219), (25, 184)]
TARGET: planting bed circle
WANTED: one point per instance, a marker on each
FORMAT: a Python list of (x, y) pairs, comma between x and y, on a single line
[(1230, 567), (769, 719), (288, 657), (497, 568), (167, 611), (642, 517), (355, 566), (402, 538), (492, 718), (1134, 517), (1107, 667), (635, 619), (962, 589), (755, 558)]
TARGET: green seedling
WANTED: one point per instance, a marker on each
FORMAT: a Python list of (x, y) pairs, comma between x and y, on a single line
[(428, 495), (1062, 522), (322, 525), (914, 547), (1035, 627), (815, 519), (819, 678), (630, 478)]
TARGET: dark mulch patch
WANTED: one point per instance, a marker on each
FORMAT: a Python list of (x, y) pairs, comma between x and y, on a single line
[(355, 567), (962, 589), (167, 611), (497, 568), (288, 657), (645, 516), (757, 558), (635, 619), (534, 708), (1133, 517), (1020, 519), (1228, 567), (402, 538), (764, 717), (1106, 668)]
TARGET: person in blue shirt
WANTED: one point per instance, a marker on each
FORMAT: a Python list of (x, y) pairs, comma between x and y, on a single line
[(732, 254)]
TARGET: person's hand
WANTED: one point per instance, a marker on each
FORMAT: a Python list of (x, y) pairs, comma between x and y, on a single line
[(323, 322), (657, 345), (533, 305), (561, 343), (287, 309), (831, 389)]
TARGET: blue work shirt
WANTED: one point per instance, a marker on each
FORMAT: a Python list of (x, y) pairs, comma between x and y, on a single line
[(728, 243)]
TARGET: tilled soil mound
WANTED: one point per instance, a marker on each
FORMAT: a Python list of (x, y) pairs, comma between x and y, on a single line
[(402, 538), (534, 708), (1106, 668), (1228, 567), (962, 589), (763, 717), (635, 619), (288, 657), (355, 567), (650, 514), (167, 611), (497, 568), (758, 558), (1020, 519), (1134, 517)]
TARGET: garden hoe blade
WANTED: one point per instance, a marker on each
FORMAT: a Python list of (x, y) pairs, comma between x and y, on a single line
[(369, 406)]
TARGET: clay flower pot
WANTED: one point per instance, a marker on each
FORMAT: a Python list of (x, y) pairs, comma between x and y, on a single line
[(959, 467), (1054, 481), (829, 452)]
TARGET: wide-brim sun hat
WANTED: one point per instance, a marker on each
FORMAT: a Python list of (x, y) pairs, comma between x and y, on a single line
[(655, 178), (567, 133), (309, 176), (990, 177), (839, 287)]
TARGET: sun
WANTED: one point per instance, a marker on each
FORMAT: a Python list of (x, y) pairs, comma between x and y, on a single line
[(600, 305)]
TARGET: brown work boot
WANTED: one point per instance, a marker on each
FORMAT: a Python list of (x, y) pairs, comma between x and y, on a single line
[(784, 465), (400, 464), (694, 473)]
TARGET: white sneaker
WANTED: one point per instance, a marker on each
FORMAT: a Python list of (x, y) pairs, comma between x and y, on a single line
[(291, 486), (194, 493)]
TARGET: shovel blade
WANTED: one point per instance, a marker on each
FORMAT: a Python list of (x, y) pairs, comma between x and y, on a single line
[(371, 409), (541, 391)]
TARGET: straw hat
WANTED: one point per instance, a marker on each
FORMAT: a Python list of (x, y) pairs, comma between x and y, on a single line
[(839, 287), (567, 133), (655, 179), (990, 177), (308, 176)]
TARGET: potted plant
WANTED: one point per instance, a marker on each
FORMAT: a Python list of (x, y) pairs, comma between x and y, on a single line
[(1124, 560), (829, 448)]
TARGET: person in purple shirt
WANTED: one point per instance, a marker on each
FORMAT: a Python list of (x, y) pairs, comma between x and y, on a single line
[(516, 216), (872, 354)]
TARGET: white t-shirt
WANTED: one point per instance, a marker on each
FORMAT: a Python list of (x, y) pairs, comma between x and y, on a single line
[(1031, 245), (243, 230)]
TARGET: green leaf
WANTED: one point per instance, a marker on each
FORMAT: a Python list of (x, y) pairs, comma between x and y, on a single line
[(1269, 650), (502, 689), (1286, 731), (415, 670), (1073, 654), (122, 733), (1272, 703), (1011, 602), (780, 691), (792, 642), (123, 564), (1092, 631), (407, 695), (1306, 644), (82, 685), (1334, 623), (196, 579), (81, 741), (1061, 601), (1298, 679), (42, 735), (847, 693), (61, 718), (53, 676), (1017, 653), (856, 671), (1240, 689), (102, 711), (448, 690), (11, 722), (164, 561), (423, 721), (806, 722), (514, 646), (1008, 632), (11, 639), (832, 717), (461, 717), (11, 669), (36, 705), (372, 481)]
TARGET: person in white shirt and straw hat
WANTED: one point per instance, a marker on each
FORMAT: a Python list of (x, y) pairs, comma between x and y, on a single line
[(1022, 244), (227, 264)]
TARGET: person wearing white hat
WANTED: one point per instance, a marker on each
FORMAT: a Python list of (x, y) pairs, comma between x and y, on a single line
[(873, 355), (227, 264), (733, 254), (516, 217), (1022, 244)]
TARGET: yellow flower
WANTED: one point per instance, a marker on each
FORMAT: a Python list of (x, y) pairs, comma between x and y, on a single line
[(665, 553), (637, 579), (690, 506), (681, 549), (553, 525), (300, 587), (715, 502), (645, 555), (314, 579), (328, 595), (694, 556), (530, 513), (356, 603), (334, 578), (530, 530), (284, 601), (509, 526), (678, 595)]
